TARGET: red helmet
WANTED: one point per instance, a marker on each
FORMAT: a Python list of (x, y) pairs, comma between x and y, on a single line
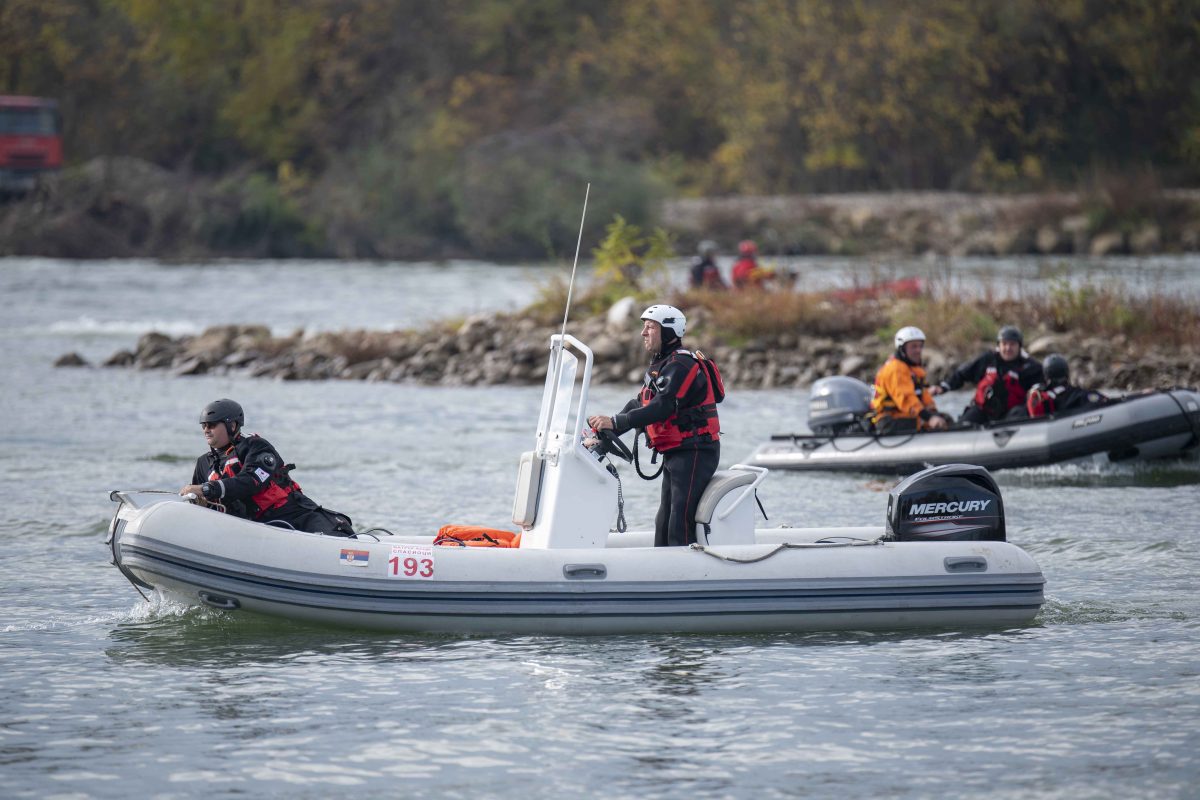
[(747, 248)]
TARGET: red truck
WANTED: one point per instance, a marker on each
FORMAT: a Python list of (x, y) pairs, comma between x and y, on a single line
[(30, 141)]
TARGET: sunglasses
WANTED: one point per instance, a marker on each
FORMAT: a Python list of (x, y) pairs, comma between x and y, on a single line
[(209, 425)]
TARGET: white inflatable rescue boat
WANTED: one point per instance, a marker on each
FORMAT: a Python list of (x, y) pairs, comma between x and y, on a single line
[(940, 558)]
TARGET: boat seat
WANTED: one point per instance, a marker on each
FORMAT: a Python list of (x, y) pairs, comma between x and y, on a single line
[(724, 515), (723, 481)]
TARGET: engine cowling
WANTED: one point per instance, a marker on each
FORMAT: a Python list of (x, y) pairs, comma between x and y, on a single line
[(838, 404), (953, 502)]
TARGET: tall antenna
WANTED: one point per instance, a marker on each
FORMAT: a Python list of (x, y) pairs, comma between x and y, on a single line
[(558, 348), (578, 242)]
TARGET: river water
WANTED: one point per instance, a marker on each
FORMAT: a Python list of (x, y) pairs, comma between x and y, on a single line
[(105, 695)]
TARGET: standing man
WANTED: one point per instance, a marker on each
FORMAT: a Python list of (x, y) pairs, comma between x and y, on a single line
[(247, 476), (1002, 377), (902, 402), (677, 407)]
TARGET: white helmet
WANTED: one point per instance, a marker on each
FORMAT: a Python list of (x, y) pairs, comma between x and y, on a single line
[(667, 316), (909, 334)]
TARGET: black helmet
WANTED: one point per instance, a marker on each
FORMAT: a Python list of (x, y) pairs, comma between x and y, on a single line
[(1010, 333), (1055, 369), (223, 411)]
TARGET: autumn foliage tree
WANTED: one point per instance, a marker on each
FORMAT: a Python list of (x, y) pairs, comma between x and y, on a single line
[(478, 121)]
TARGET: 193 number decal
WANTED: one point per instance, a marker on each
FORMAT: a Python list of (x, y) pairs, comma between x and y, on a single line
[(411, 562)]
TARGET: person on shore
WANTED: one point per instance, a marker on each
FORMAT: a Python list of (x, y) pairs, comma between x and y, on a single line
[(677, 407), (705, 274), (1056, 395), (902, 402), (1002, 378), (247, 476), (747, 274)]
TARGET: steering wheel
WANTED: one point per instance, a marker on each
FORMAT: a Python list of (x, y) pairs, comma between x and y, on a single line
[(609, 443)]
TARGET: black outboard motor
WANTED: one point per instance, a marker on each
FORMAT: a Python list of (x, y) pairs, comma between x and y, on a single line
[(839, 404), (953, 502)]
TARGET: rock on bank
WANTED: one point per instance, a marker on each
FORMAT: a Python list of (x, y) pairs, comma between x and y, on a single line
[(485, 350)]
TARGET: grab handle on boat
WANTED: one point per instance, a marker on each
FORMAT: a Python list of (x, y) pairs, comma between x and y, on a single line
[(965, 564), (219, 601), (761, 474), (594, 572)]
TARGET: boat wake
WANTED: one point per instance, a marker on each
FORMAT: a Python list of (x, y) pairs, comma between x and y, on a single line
[(1098, 471), (159, 607), (1056, 612)]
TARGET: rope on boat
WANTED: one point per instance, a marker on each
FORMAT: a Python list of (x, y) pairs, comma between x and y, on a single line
[(372, 533), (1186, 416), (786, 546), (868, 438), (622, 526)]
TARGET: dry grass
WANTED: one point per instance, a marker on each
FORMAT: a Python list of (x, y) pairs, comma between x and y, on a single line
[(738, 316), (958, 322), (1101, 311)]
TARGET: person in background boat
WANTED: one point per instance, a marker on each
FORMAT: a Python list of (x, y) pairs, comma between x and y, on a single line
[(1002, 378), (705, 274), (677, 407), (1056, 395), (902, 402), (247, 476), (747, 274)]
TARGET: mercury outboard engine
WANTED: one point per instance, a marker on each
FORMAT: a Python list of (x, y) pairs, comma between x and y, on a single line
[(953, 502), (838, 405)]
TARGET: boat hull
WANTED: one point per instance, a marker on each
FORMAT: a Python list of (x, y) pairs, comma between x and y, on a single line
[(200, 557), (1160, 425)]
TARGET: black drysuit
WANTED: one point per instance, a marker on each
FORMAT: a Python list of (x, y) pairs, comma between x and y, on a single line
[(250, 479), (688, 467)]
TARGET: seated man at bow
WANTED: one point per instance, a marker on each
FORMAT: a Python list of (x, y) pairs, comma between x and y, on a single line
[(246, 477)]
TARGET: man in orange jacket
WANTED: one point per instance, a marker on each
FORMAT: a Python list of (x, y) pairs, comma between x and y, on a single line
[(902, 402)]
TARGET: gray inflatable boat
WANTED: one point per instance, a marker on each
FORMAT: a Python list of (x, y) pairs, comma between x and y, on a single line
[(1159, 424)]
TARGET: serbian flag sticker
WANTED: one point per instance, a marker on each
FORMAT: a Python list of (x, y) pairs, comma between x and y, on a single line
[(355, 558)]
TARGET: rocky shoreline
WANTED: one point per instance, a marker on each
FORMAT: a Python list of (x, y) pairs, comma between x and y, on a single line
[(505, 349), (947, 223)]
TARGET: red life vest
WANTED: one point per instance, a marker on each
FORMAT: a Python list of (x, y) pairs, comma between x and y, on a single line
[(272, 495), (746, 273), (1041, 401), (993, 381), (688, 423)]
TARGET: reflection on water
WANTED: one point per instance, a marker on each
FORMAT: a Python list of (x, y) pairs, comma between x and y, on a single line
[(174, 635)]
